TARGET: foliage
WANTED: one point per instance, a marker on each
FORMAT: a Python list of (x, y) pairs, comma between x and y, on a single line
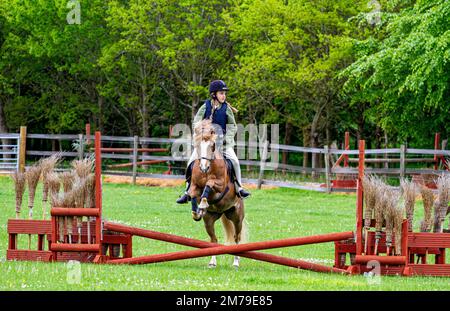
[(403, 71), (318, 68)]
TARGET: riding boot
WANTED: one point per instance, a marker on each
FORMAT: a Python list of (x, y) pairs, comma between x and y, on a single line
[(186, 197), (241, 192)]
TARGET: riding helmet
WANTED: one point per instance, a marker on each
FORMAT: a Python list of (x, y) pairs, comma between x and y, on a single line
[(217, 85)]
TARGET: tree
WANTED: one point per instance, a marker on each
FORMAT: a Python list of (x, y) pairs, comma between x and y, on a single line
[(57, 91), (193, 47), (403, 72), (131, 64), (287, 56)]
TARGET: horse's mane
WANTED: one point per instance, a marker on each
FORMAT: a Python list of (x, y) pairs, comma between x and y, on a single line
[(204, 130)]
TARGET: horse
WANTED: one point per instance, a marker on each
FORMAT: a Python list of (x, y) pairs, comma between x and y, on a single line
[(212, 186)]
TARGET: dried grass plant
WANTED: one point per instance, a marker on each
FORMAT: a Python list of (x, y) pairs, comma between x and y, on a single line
[(19, 186)]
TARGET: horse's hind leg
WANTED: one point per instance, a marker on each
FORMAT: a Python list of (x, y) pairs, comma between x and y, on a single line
[(237, 238), (236, 217), (209, 220)]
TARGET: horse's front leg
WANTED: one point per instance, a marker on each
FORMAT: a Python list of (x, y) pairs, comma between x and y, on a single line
[(204, 197), (194, 193)]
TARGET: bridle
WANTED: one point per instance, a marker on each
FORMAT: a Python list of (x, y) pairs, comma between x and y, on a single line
[(205, 158), (213, 150)]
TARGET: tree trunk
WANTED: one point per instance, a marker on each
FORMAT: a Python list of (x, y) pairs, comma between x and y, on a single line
[(194, 106), (3, 128), (314, 136), (360, 130), (327, 126), (197, 79), (100, 113), (144, 117), (378, 144)]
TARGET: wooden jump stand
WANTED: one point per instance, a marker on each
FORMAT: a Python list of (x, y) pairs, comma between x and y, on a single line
[(99, 247), (415, 245)]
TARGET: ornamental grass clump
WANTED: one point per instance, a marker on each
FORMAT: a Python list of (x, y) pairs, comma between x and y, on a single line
[(408, 190), (19, 186), (32, 176), (48, 165), (427, 198), (441, 202)]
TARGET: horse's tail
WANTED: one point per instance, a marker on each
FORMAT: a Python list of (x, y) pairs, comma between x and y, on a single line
[(229, 230), (244, 232)]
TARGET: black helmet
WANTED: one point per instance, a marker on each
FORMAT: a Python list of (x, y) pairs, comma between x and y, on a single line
[(217, 85)]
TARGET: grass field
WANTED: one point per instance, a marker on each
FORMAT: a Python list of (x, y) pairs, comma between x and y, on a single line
[(271, 214)]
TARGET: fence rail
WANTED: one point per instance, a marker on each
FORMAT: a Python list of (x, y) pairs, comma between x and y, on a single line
[(137, 153)]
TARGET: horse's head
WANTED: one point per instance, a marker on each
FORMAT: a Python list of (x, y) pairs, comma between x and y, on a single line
[(205, 143)]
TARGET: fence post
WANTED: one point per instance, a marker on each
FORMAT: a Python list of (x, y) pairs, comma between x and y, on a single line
[(81, 147), (327, 168), (313, 165), (402, 161), (263, 164), (22, 148), (135, 157)]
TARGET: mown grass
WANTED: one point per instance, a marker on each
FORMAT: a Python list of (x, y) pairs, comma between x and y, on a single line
[(271, 214)]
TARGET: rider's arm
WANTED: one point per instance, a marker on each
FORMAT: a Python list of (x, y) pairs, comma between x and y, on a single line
[(231, 128)]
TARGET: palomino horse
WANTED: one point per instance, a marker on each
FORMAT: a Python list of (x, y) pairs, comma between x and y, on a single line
[(212, 186)]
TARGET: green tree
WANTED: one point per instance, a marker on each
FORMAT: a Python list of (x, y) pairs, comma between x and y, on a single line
[(403, 71), (58, 90), (287, 57), (131, 64), (193, 47)]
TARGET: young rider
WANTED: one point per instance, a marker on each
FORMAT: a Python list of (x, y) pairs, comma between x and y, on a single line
[(222, 115)]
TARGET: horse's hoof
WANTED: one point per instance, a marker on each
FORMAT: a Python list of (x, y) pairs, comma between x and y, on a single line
[(211, 266), (236, 264), (196, 217)]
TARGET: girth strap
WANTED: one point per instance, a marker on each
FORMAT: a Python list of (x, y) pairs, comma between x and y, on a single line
[(220, 197)]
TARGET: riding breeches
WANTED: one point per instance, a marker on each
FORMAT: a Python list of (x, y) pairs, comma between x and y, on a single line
[(229, 154)]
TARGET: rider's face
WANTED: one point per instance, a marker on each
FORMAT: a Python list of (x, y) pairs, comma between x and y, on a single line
[(221, 96)]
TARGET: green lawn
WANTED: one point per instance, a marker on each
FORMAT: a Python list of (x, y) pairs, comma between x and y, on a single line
[(271, 214)]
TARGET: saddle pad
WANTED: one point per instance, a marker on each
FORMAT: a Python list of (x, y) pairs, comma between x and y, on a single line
[(230, 170)]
